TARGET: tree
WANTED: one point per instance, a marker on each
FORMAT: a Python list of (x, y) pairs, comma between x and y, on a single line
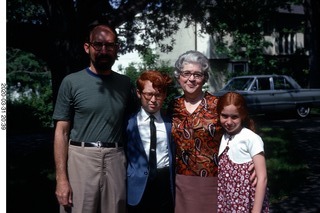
[(312, 11), (56, 34), (29, 98), (54, 29), (152, 61), (246, 22)]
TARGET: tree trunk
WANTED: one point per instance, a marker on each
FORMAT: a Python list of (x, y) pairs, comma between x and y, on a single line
[(312, 11)]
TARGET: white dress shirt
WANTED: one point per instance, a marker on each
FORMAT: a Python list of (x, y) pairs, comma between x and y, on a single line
[(143, 121)]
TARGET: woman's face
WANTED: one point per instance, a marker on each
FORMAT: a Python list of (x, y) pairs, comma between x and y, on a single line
[(191, 78)]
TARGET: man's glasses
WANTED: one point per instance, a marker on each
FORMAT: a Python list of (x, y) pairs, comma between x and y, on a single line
[(99, 45), (196, 75), (149, 95)]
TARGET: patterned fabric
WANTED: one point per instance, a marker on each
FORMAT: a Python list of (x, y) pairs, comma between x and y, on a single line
[(197, 137), (235, 193)]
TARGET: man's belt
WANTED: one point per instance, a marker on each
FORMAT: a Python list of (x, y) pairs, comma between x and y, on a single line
[(95, 144)]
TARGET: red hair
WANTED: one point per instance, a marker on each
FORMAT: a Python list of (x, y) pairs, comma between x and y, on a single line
[(159, 80), (236, 99)]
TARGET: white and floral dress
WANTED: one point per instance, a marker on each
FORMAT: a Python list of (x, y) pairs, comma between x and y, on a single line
[(235, 193)]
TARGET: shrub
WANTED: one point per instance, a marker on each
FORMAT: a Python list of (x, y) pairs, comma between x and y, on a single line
[(29, 94)]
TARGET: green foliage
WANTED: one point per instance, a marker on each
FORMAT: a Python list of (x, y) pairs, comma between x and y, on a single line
[(26, 71), (29, 92), (132, 72), (152, 22), (157, 21), (25, 11), (30, 114), (246, 23), (149, 59)]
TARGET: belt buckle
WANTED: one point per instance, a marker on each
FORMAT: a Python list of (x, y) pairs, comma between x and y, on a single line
[(99, 144)]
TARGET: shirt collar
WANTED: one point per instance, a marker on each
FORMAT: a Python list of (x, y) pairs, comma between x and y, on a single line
[(145, 115), (228, 137)]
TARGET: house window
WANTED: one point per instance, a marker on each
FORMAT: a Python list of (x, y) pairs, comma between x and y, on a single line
[(287, 42), (239, 67)]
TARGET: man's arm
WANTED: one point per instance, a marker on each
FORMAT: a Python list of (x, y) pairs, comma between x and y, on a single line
[(63, 188)]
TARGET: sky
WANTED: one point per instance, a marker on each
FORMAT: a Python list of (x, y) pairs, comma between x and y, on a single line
[(3, 106)]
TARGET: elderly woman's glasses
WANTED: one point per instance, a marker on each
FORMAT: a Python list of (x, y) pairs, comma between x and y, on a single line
[(196, 75), (99, 45)]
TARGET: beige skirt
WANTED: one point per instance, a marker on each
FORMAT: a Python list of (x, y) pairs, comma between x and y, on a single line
[(196, 194)]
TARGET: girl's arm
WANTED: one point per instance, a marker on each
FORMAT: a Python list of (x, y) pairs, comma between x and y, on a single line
[(261, 172)]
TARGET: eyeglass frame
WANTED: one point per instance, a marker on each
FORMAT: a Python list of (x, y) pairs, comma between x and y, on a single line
[(107, 45), (149, 95), (188, 74)]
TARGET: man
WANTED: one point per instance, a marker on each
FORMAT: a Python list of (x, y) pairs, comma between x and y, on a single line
[(150, 191), (88, 145)]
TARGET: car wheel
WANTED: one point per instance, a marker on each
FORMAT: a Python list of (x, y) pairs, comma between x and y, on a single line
[(303, 111)]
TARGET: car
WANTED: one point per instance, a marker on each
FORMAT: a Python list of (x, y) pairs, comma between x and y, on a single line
[(273, 93)]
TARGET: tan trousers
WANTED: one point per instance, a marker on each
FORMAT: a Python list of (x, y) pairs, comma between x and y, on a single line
[(98, 180)]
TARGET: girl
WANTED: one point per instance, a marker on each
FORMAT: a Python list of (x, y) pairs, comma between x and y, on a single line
[(239, 148)]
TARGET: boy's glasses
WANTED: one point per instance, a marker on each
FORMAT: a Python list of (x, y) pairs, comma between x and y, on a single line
[(149, 95)]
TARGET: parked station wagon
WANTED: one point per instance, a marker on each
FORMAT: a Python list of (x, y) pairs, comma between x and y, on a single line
[(273, 93)]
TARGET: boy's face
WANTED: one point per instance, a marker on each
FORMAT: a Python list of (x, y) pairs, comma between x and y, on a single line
[(151, 99)]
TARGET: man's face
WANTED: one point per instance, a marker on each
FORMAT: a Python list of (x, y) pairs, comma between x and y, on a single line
[(102, 48), (151, 99)]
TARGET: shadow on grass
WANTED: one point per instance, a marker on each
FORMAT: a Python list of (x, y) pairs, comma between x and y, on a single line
[(30, 167), (286, 167)]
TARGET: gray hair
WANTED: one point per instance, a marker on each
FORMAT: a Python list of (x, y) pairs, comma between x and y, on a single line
[(193, 57)]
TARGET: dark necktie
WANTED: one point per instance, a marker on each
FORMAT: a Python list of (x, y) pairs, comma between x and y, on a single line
[(153, 148)]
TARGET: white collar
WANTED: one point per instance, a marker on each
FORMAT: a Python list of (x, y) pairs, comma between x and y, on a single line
[(145, 115)]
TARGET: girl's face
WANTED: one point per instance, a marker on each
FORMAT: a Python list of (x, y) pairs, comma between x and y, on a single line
[(230, 119)]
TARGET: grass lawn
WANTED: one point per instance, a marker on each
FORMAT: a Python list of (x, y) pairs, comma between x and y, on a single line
[(30, 180), (31, 185), (285, 170), (286, 162)]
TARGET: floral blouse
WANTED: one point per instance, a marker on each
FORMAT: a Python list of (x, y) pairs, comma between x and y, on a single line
[(197, 137)]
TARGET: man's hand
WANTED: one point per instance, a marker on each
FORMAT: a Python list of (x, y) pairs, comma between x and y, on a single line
[(64, 193), (253, 176)]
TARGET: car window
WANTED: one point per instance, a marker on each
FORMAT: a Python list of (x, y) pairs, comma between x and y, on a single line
[(280, 83), (238, 84), (263, 83)]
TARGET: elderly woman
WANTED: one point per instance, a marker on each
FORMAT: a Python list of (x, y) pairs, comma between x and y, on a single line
[(197, 135)]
